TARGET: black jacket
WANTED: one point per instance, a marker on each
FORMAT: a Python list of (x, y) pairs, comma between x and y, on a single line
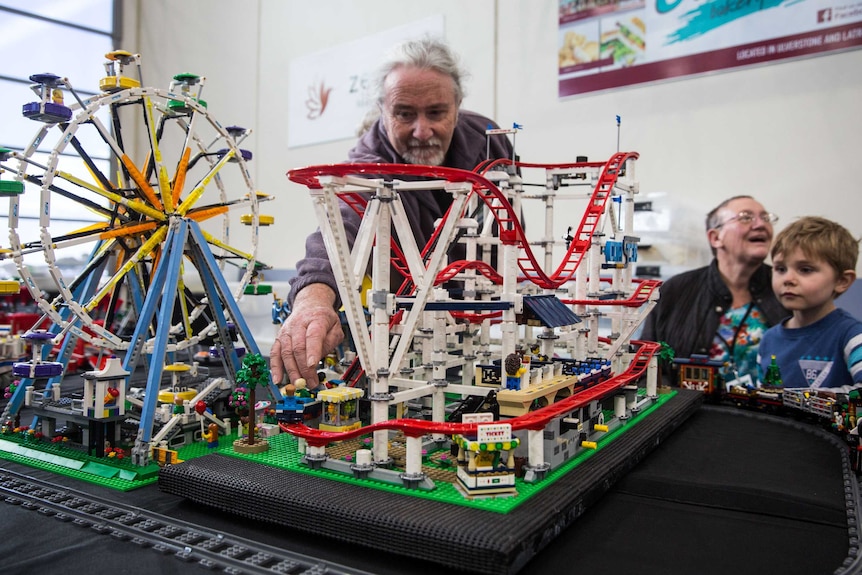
[(692, 303)]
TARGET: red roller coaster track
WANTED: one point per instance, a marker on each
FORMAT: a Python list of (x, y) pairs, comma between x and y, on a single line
[(535, 420), (507, 220)]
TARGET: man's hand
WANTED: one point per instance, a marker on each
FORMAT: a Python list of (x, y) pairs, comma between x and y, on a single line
[(311, 331)]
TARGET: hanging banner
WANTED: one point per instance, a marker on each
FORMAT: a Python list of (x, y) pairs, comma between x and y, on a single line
[(606, 44), (329, 92)]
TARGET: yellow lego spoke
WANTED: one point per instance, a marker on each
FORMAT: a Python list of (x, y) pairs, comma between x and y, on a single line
[(164, 182), (218, 243), (196, 193), (145, 250), (135, 205), (184, 307)]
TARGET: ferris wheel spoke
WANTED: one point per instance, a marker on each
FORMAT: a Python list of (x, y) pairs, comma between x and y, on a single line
[(132, 204), (180, 176), (91, 165), (162, 172), (219, 244), (102, 231), (85, 202), (81, 236), (198, 191), (145, 250), (203, 214), (143, 185), (185, 323)]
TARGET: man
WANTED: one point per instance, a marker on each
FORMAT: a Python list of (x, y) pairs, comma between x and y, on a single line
[(419, 99), (723, 309)]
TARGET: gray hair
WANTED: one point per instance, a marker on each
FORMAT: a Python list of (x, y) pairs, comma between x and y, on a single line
[(712, 220), (426, 54)]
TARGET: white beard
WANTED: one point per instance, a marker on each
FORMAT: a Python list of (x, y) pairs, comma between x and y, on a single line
[(428, 153)]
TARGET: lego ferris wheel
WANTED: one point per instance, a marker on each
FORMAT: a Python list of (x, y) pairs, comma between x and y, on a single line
[(162, 183)]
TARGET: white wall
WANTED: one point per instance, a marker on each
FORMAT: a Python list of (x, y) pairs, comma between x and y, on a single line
[(786, 133), (244, 48)]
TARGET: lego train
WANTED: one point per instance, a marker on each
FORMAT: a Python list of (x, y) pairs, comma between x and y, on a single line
[(703, 374)]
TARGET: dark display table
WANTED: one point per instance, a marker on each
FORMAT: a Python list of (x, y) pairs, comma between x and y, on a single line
[(727, 492)]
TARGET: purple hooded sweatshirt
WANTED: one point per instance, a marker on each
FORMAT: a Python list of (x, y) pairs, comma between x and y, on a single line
[(467, 149)]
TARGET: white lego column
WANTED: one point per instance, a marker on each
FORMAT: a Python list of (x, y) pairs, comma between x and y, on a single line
[(593, 314), (315, 451), (88, 399), (470, 284), (535, 447), (425, 338), (485, 341), (578, 348), (99, 397), (652, 377), (441, 356), (620, 406), (438, 409), (381, 312), (510, 278), (548, 196), (413, 464), (469, 355), (547, 340), (631, 190)]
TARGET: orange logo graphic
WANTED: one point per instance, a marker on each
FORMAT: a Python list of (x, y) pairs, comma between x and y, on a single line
[(318, 98)]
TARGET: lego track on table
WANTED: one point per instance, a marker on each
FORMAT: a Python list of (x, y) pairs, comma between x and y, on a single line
[(208, 548)]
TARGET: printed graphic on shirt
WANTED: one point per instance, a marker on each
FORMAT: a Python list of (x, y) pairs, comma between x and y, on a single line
[(815, 371), (740, 341)]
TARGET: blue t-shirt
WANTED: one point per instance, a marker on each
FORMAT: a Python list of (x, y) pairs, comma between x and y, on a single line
[(825, 354)]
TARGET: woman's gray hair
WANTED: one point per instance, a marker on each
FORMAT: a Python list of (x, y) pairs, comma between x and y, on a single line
[(426, 54)]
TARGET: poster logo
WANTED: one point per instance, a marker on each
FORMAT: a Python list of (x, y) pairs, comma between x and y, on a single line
[(318, 98), (824, 15)]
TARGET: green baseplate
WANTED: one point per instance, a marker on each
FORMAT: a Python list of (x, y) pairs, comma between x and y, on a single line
[(283, 453), (121, 475)]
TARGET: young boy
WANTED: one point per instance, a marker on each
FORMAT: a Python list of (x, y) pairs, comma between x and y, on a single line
[(819, 346)]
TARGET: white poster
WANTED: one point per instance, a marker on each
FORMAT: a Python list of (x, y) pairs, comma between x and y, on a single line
[(611, 43), (331, 91)]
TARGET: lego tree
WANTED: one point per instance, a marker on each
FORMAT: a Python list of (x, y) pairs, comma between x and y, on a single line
[(254, 372), (772, 378), (666, 352), (665, 356)]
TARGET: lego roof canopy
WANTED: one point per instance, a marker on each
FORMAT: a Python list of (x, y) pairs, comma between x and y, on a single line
[(549, 311)]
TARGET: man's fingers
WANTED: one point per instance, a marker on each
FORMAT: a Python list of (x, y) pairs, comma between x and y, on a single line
[(276, 364), (315, 338)]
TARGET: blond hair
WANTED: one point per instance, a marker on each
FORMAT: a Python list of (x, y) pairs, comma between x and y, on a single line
[(819, 238)]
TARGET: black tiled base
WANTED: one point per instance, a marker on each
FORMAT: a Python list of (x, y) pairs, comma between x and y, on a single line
[(454, 536)]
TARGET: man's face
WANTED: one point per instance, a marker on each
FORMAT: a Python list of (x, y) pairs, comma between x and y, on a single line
[(740, 241), (419, 113)]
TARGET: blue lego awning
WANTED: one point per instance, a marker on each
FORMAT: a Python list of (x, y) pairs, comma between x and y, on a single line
[(548, 311)]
